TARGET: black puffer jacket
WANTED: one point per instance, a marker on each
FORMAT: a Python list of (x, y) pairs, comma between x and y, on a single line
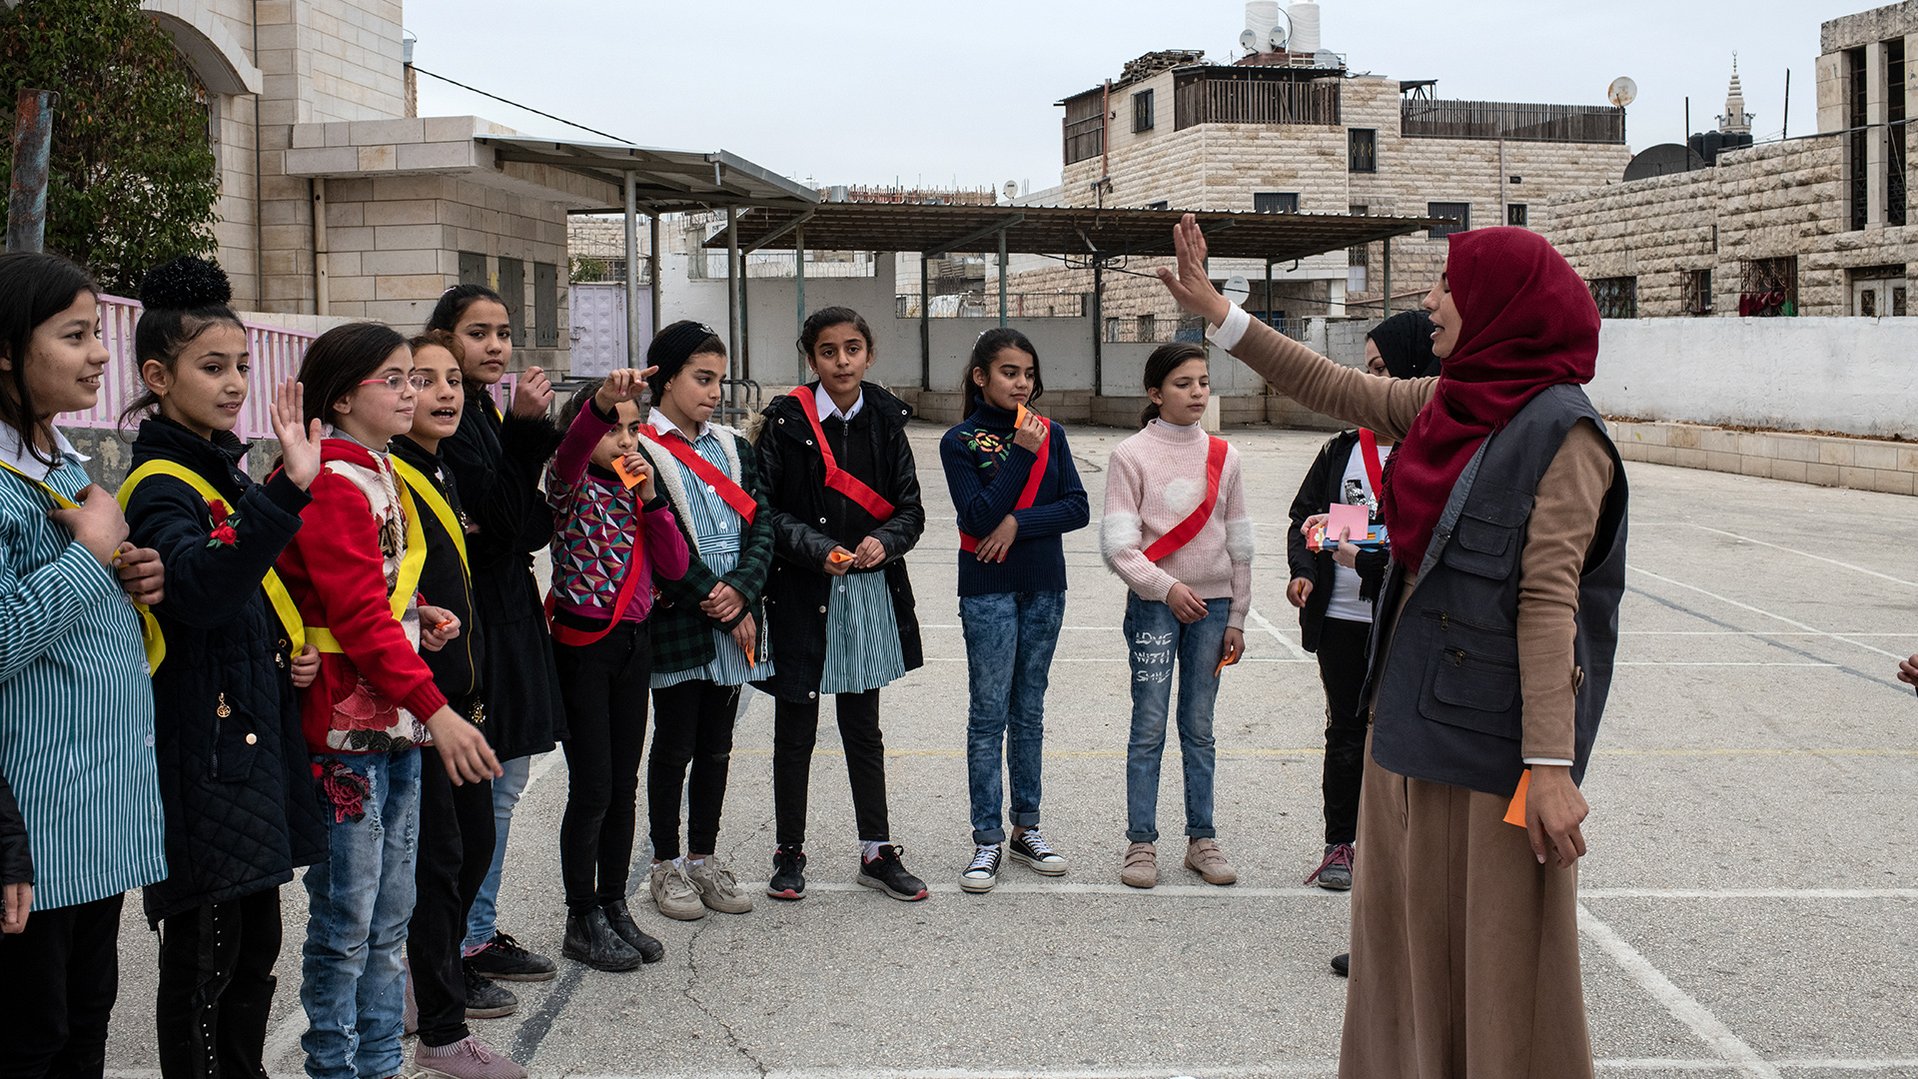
[(496, 463), (241, 808), (809, 521)]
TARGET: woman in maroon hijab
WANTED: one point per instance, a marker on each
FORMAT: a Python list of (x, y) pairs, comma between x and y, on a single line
[(1490, 661)]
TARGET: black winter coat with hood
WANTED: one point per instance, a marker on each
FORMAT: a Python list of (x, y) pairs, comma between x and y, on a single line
[(809, 521), (241, 808)]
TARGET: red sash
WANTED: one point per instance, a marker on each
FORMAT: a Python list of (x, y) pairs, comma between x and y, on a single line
[(1183, 532), (1027, 494), (838, 478), (579, 638), (683, 451), (1374, 471)]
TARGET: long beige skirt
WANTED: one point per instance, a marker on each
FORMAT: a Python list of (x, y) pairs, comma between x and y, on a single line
[(1464, 948)]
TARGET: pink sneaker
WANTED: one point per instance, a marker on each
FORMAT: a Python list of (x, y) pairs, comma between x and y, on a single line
[(468, 1058)]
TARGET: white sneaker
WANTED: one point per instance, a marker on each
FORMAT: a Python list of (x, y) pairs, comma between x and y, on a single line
[(716, 886), (983, 874), (674, 894), (1031, 848)]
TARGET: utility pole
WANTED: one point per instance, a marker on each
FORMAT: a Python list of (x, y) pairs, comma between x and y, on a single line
[(32, 149)]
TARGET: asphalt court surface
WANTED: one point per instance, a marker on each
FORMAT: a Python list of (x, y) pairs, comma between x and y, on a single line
[(1748, 903)]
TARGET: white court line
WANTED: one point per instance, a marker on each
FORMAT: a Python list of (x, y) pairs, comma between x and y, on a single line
[(1315, 893), (1682, 1005), (1123, 659), (284, 1038), (1808, 554), (1326, 1068), (1809, 629), (1265, 624)]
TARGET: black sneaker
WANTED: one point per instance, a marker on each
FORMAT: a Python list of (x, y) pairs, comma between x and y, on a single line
[(889, 875), (1342, 964), (1031, 848), (1334, 874), (590, 940), (983, 874), (789, 874), (503, 960), (621, 919), (486, 998)]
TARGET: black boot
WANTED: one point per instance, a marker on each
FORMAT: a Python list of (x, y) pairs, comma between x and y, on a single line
[(591, 940), (622, 922)]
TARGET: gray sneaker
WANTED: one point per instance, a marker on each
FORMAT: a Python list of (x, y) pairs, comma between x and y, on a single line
[(468, 1058), (674, 894), (717, 888), (1335, 873)]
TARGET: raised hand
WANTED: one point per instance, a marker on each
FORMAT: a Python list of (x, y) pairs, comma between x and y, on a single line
[(1030, 434), (299, 441), (624, 384), (534, 394), (1190, 284)]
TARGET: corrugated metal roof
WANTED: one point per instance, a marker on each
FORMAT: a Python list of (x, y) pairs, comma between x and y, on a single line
[(668, 180)]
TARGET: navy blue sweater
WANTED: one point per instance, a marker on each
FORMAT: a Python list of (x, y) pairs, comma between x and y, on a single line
[(985, 473)]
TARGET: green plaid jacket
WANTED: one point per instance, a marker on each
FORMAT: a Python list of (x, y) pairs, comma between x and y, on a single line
[(682, 634)]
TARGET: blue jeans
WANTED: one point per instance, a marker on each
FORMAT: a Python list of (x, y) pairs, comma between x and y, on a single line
[(481, 919), (360, 898), (1010, 638), (1155, 641)]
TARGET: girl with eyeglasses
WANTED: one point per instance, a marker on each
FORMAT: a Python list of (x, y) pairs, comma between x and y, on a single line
[(354, 570)]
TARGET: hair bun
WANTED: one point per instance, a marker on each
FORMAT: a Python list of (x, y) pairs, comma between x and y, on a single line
[(185, 283)]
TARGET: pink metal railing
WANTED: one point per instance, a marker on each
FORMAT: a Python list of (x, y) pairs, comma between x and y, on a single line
[(275, 355)]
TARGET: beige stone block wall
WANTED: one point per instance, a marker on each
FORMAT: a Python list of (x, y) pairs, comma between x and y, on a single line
[(1829, 461)]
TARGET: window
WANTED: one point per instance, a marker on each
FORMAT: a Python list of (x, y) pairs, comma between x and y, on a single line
[(1895, 131), (512, 289), (1617, 297), (1362, 150), (1359, 256), (1148, 327), (1159, 205), (1769, 288), (1517, 214), (1085, 135), (545, 305), (1858, 152), (1698, 292), (1112, 327), (1458, 213), (1142, 111), (1275, 202)]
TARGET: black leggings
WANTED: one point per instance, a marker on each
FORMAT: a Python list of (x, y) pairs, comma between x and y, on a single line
[(216, 987), (58, 980), (605, 685), (1342, 670), (795, 729), (456, 848), (692, 725)]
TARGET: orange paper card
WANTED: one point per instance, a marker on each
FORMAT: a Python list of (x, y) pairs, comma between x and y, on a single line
[(1515, 813), (750, 661), (631, 477), (839, 556), (1224, 662)]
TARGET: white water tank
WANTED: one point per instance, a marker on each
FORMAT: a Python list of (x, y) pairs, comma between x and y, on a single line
[(1305, 27), (1261, 16)]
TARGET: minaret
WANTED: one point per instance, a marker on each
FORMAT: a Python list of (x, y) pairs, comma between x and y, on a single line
[(1736, 120)]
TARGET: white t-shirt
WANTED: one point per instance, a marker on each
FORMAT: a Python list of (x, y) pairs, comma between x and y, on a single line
[(1355, 489)]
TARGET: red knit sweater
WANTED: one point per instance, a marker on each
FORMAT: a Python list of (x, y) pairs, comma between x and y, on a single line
[(336, 573)]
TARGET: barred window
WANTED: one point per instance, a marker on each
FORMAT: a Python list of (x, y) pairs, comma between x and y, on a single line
[(1698, 292), (1518, 213), (1458, 213), (1617, 297), (1363, 146), (1142, 111), (1275, 202), (1769, 288)]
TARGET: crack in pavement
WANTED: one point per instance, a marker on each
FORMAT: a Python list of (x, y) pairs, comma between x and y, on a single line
[(733, 1038)]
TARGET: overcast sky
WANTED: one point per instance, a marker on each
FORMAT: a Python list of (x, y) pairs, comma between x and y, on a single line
[(878, 91)]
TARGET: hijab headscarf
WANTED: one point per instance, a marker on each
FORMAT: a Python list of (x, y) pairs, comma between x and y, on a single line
[(1405, 343), (1527, 323)]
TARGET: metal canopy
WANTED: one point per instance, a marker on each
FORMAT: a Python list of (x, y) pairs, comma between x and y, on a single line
[(665, 181), (1085, 232)]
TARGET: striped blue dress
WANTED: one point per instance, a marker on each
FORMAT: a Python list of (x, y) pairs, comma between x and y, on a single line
[(715, 528), (862, 636), (76, 701)]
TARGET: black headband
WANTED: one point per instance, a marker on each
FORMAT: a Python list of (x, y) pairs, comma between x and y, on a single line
[(672, 348)]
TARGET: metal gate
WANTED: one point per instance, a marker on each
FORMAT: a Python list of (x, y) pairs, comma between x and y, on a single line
[(599, 327)]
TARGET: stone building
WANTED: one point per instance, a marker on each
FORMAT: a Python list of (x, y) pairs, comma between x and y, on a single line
[(1293, 130), (1807, 226)]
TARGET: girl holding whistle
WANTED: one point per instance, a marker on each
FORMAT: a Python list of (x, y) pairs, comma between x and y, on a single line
[(612, 536)]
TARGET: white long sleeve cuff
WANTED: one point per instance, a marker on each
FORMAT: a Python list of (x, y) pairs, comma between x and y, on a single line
[(1227, 334)]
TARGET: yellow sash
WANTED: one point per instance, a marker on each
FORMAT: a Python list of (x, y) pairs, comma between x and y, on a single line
[(150, 636), (408, 582), (424, 490), (283, 606)]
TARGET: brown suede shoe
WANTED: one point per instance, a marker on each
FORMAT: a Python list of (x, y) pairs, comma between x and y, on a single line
[(1204, 857), (1141, 866)]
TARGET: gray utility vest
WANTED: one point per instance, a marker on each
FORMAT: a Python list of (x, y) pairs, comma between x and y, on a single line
[(1448, 706)]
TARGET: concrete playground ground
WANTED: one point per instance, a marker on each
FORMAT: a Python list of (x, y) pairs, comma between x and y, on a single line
[(1748, 903)]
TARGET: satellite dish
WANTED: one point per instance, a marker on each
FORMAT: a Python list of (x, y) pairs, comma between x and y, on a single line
[(1011, 189), (1281, 33), (1622, 92), (1237, 288), (1249, 41)]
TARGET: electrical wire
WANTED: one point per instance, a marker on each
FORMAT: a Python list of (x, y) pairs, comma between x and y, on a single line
[(517, 105)]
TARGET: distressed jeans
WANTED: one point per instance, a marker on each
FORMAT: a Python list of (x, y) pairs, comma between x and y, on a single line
[(1156, 642), (360, 898), (1010, 638)]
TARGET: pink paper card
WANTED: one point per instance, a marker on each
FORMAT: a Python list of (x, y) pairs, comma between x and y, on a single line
[(1355, 518)]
